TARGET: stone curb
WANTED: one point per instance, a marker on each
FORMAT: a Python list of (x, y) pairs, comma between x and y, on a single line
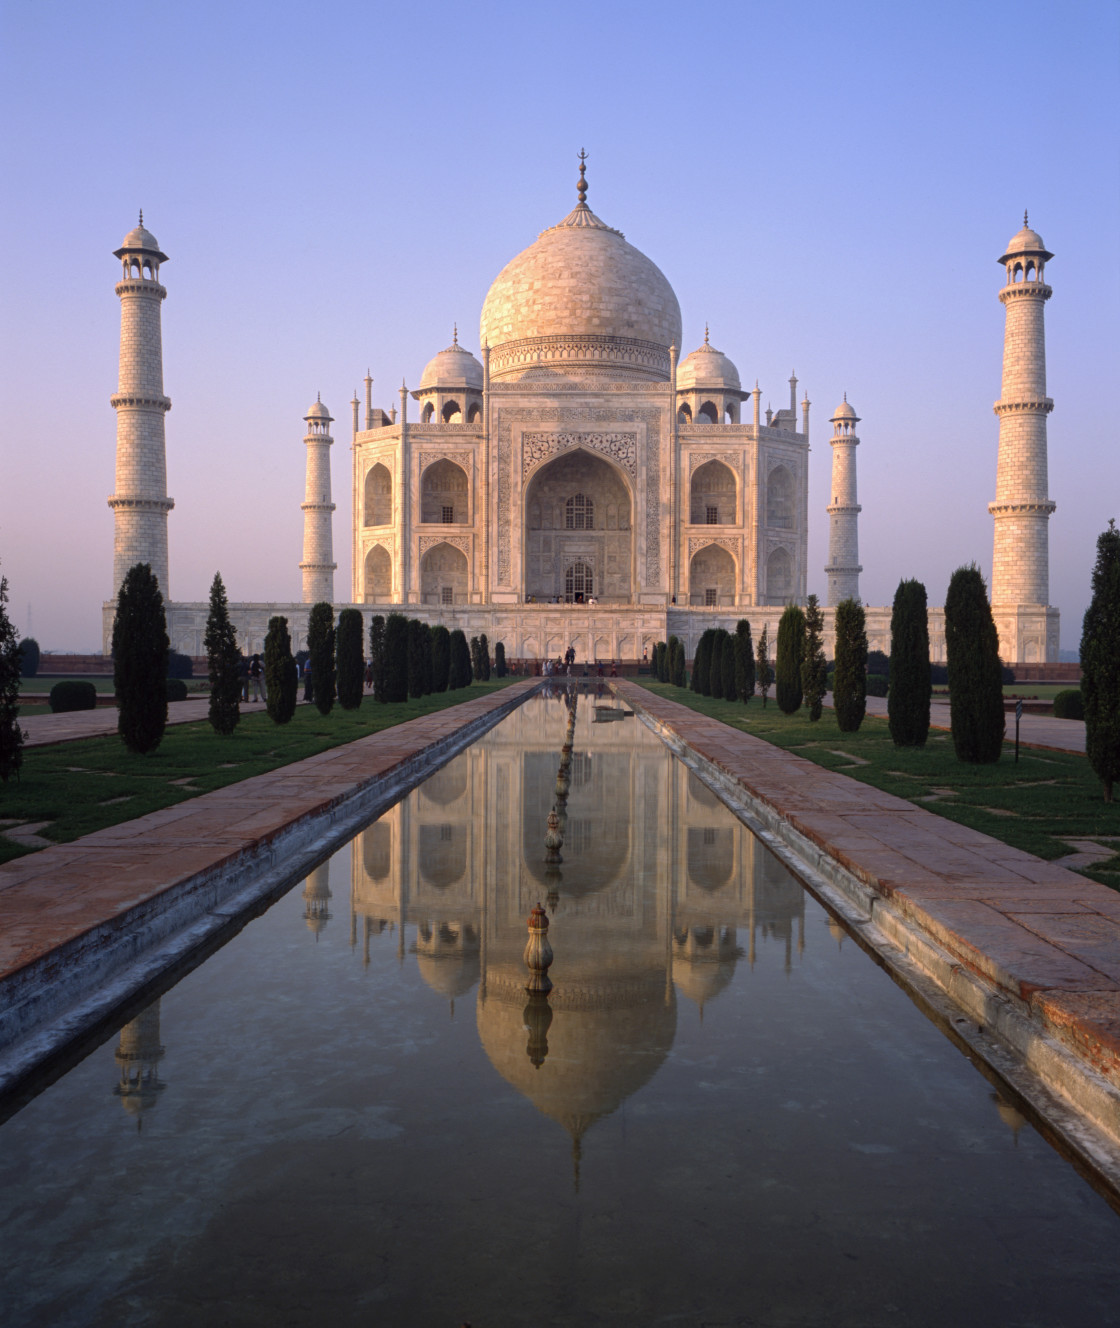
[(1065, 1069), (64, 993)]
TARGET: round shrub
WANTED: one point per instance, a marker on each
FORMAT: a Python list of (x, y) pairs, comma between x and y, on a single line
[(176, 689), (73, 694), (877, 685), (28, 657), (1069, 704)]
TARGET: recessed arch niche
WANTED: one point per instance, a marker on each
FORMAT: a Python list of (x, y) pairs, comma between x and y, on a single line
[(443, 494), (712, 495), (379, 575), (379, 496), (711, 576), (444, 575), (578, 509)]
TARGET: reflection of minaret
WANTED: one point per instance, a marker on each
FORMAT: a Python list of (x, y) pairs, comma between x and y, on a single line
[(316, 892), (137, 1056)]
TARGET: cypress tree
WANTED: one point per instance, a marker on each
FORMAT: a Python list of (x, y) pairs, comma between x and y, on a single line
[(715, 667), (814, 669), (223, 660), (1100, 663), (29, 654), (791, 648), (11, 735), (975, 672), (419, 653), (763, 671), (500, 659), (348, 656), (320, 646), (909, 687), (727, 665), (460, 661), (426, 658), (140, 650), (701, 663), (281, 676), (396, 658), (476, 661), (377, 655), (849, 687), (744, 661), (677, 675), (441, 658), (664, 660), (657, 663), (484, 657)]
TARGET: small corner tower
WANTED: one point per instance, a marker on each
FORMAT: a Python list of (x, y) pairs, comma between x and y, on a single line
[(318, 549), (1027, 626), (843, 512), (140, 503)]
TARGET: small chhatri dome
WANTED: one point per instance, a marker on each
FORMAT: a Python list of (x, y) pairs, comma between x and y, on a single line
[(707, 367), (1026, 241), (140, 241), (318, 411), (844, 412), (453, 367)]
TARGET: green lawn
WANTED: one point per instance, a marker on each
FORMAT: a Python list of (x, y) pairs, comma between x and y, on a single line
[(1035, 805), (82, 786)]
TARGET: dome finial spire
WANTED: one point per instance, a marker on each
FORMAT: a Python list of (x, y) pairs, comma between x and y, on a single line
[(705, 334), (582, 185), (141, 216), (1024, 218), (455, 334)]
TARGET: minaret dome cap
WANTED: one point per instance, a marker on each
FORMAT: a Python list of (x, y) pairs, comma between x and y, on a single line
[(707, 367), (1026, 242), (319, 412), (139, 240), (844, 412), (453, 367)]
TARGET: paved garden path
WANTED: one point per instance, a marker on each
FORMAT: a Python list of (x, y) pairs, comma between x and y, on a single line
[(1059, 735), (71, 724)]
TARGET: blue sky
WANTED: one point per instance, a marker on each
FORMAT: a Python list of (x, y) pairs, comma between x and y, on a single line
[(827, 186)]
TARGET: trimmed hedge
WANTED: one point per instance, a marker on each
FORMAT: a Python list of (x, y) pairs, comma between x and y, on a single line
[(176, 689), (72, 694), (1069, 704)]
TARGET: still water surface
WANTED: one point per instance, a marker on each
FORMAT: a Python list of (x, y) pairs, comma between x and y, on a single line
[(725, 1114)]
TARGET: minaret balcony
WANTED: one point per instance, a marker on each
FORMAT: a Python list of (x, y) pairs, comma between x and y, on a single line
[(1036, 405)]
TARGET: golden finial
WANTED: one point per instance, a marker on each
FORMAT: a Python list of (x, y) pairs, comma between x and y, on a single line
[(141, 216), (455, 334), (705, 334), (582, 185), (1024, 218)]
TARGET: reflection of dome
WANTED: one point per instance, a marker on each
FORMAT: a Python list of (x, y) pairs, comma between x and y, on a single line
[(602, 1045), (707, 367), (453, 367), (580, 282), (447, 957), (704, 962)]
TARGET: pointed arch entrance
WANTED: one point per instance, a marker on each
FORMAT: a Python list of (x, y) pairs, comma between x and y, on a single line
[(579, 536)]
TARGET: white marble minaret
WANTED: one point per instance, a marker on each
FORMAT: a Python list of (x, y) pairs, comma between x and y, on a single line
[(318, 549), (140, 503), (843, 512), (1028, 627)]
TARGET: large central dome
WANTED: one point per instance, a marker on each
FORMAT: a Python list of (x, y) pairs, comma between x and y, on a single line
[(580, 301)]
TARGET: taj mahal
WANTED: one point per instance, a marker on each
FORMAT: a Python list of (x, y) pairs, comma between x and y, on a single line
[(580, 481)]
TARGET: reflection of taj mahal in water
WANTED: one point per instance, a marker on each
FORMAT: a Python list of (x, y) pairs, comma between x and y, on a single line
[(661, 891)]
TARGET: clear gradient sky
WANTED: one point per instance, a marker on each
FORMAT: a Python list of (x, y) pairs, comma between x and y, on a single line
[(827, 185)]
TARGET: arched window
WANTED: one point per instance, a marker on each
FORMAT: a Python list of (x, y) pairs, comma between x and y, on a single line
[(731, 413), (684, 415), (579, 513), (379, 576), (578, 584), (712, 495), (779, 499), (427, 413), (379, 497), (779, 576), (377, 850), (708, 412), (474, 414), (452, 413), (443, 494)]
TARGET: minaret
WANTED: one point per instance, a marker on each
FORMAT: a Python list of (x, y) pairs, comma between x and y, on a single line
[(843, 512), (1022, 507), (138, 1056), (318, 557), (140, 503)]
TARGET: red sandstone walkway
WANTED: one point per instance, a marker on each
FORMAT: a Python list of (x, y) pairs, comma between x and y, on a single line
[(1059, 735), (52, 897), (44, 729), (1041, 935)]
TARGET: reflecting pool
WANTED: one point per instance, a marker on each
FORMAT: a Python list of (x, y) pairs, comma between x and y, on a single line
[(724, 1113)]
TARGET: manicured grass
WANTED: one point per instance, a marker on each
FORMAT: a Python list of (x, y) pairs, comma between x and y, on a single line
[(92, 783), (1035, 805)]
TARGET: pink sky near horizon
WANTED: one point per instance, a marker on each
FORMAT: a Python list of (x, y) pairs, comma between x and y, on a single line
[(827, 188)]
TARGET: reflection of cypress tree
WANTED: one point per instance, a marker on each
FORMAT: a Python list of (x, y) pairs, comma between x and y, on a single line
[(1100, 663), (975, 674), (396, 657), (140, 648), (348, 655), (908, 690), (441, 658)]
